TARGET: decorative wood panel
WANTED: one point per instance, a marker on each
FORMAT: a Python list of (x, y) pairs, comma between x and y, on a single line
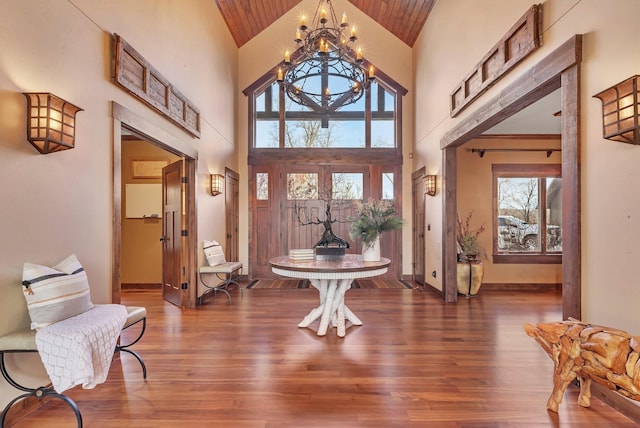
[(520, 41), (135, 75)]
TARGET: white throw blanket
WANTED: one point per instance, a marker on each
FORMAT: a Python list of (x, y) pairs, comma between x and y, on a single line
[(78, 350)]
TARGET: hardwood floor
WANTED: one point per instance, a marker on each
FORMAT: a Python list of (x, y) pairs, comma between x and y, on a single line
[(416, 361)]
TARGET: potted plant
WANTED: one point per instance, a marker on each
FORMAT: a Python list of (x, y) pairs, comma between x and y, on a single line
[(470, 270), (371, 219)]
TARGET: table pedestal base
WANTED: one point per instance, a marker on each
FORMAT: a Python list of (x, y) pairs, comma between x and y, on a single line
[(332, 307)]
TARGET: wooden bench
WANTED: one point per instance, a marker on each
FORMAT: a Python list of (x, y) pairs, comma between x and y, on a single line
[(231, 275), (25, 341)]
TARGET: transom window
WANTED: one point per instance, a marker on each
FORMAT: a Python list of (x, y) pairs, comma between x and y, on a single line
[(528, 213), (368, 123)]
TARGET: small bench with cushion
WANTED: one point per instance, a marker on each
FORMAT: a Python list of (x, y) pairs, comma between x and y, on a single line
[(74, 338), (227, 272), (25, 341)]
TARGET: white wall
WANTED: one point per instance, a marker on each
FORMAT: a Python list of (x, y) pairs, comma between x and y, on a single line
[(386, 52), (457, 35), (61, 203)]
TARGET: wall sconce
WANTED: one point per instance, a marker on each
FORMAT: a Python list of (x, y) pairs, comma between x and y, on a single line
[(621, 111), (430, 183), (216, 184), (51, 122)]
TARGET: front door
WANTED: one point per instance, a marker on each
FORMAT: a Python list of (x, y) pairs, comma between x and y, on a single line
[(172, 233)]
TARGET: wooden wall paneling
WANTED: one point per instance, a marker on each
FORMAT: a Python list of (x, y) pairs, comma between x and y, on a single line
[(138, 77), (520, 41), (540, 80)]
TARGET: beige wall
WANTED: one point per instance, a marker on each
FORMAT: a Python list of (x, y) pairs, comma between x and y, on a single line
[(475, 181), (62, 203), (385, 51), (445, 53)]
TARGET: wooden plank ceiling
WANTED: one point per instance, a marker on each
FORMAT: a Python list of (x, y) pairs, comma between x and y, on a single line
[(403, 18)]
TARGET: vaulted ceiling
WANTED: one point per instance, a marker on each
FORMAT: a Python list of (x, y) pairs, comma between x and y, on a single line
[(403, 18)]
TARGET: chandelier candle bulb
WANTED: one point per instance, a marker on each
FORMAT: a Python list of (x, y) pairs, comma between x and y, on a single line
[(303, 23), (298, 36), (280, 75), (323, 17), (371, 72), (353, 34), (344, 19), (359, 55), (287, 57)]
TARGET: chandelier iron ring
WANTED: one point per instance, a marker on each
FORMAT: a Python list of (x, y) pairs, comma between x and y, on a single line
[(326, 71)]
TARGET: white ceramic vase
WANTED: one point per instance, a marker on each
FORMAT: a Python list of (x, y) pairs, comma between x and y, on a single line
[(371, 253)]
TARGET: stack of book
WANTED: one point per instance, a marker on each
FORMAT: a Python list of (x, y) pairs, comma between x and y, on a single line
[(299, 255)]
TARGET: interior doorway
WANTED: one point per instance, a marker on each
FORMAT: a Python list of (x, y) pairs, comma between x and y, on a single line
[(185, 269), (560, 69)]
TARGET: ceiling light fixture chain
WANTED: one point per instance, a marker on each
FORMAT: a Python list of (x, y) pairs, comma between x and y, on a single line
[(325, 72)]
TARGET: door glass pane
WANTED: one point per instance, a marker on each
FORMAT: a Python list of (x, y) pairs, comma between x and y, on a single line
[(262, 186), (302, 186), (387, 185), (347, 185)]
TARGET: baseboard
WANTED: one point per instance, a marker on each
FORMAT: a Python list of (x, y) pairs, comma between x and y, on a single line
[(622, 404), (140, 286), (433, 290), (492, 286)]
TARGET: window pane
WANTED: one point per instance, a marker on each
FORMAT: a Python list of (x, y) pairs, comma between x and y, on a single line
[(310, 133), (347, 185), (382, 133), (554, 214), (302, 186), (267, 118), (382, 117), (267, 134), (262, 186), (518, 215), (387, 185)]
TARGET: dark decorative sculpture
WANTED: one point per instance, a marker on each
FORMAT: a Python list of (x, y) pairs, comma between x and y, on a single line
[(328, 239)]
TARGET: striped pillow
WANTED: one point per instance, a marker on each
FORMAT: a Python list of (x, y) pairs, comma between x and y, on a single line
[(213, 252), (55, 293)]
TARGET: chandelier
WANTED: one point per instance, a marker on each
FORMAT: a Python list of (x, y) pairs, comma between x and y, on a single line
[(325, 72)]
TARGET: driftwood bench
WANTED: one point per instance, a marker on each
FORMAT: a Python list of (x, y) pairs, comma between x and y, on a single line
[(589, 352), (25, 341)]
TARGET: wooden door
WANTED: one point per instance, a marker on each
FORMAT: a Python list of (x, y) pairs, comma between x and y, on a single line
[(264, 216), (172, 233), (418, 226), (232, 214)]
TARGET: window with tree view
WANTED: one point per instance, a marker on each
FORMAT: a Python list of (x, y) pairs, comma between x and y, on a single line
[(528, 209), (347, 127)]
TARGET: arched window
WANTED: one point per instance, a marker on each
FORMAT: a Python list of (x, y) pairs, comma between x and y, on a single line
[(373, 122)]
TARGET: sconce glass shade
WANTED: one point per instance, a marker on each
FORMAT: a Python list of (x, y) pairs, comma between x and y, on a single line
[(621, 111), (430, 183), (51, 122), (217, 181)]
